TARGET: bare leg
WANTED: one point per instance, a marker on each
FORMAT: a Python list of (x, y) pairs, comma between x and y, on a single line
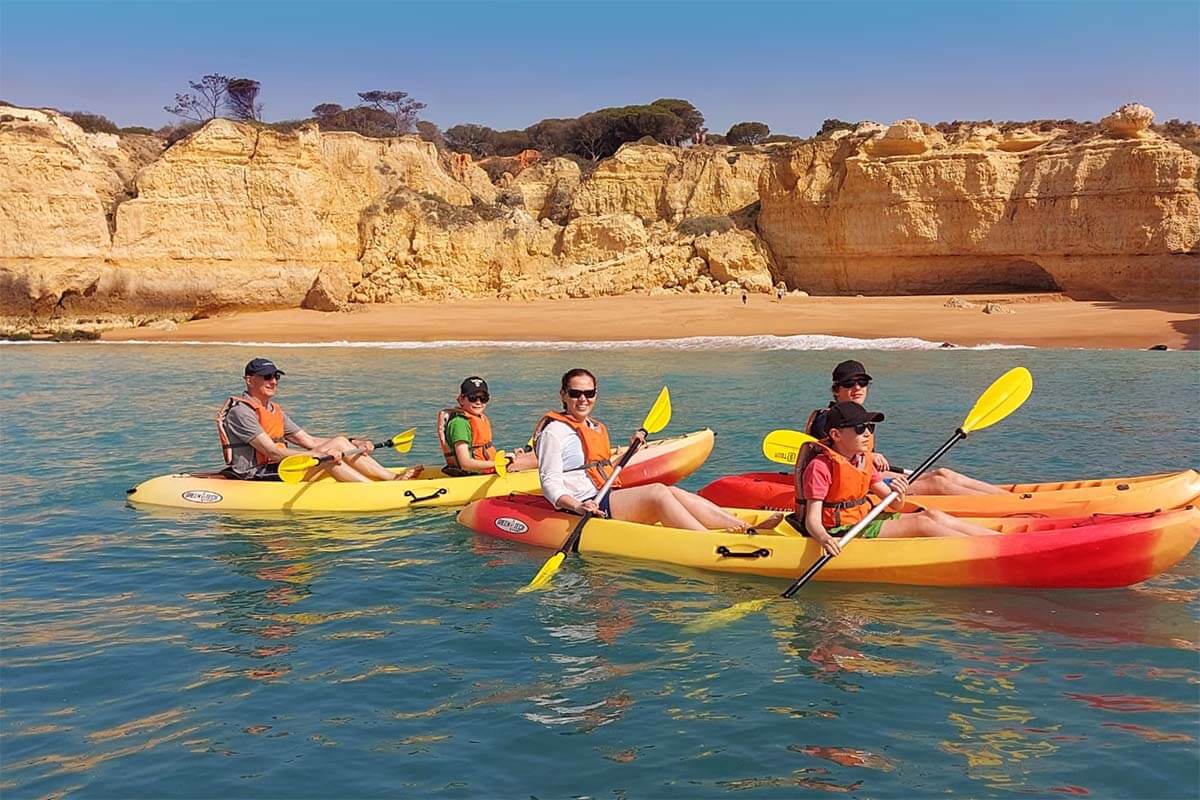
[(359, 467), (930, 523), (713, 517), (947, 481), (650, 504)]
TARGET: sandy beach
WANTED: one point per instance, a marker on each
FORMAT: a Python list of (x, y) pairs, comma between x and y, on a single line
[(1036, 320)]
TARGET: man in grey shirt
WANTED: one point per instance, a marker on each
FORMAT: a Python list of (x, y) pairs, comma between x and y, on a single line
[(255, 432)]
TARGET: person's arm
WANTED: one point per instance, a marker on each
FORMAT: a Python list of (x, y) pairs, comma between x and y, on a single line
[(816, 529), (549, 448), (816, 482), (898, 484), (462, 451), (274, 452), (880, 461)]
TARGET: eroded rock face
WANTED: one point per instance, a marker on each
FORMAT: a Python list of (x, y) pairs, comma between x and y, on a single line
[(1103, 218), (1130, 121), (656, 182)]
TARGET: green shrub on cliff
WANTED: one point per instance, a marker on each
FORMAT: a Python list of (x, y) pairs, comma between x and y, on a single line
[(93, 123), (748, 133)]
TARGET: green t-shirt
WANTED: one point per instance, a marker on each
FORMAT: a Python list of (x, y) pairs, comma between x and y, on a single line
[(458, 429)]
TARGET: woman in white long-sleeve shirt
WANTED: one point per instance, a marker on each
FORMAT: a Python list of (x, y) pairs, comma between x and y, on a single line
[(573, 452)]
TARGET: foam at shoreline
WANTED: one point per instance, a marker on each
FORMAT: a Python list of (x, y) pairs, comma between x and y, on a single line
[(761, 342)]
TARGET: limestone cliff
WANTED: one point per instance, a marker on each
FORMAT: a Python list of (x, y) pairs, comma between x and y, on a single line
[(118, 229), (1115, 216)]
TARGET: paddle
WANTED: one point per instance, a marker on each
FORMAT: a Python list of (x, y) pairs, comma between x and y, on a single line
[(293, 468), (783, 446), (1003, 397), (656, 420), (500, 462)]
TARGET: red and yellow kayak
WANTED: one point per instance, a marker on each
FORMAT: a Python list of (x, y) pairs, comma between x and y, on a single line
[(659, 461), (776, 490), (1098, 551)]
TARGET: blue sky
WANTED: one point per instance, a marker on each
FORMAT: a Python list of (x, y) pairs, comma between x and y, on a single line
[(506, 65)]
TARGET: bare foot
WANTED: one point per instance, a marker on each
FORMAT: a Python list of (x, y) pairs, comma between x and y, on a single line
[(410, 473)]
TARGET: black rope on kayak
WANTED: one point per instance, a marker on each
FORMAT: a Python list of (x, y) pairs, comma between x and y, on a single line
[(725, 552), (408, 493), (1115, 515)]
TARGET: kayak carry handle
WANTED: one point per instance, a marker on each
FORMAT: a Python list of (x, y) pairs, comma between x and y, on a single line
[(725, 552)]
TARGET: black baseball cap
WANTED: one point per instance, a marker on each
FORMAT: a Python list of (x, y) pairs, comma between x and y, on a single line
[(847, 414), (262, 367), (849, 369), (474, 385)]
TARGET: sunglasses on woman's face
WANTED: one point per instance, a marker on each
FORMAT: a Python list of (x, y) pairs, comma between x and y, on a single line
[(478, 398), (863, 427), (862, 383), (575, 394)]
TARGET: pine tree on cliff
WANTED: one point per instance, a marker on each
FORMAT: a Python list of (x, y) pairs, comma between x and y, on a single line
[(398, 104)]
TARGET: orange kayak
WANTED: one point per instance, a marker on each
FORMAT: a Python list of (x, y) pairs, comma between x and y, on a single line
[(776, 490)]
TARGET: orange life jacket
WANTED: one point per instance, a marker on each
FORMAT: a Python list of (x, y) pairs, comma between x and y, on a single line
[(849, 498), (597, 449), (481, 437), (270, 419)]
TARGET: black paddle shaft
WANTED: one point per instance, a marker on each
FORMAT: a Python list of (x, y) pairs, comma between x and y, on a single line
[(572, 542), (958, 436)]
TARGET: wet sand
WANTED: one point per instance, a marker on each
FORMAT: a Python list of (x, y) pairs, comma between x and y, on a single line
[(1037, 320)]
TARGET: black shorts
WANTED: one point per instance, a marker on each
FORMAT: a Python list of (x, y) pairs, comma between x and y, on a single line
[(265, 472)]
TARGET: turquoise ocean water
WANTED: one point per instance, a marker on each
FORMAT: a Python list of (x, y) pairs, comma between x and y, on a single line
[(175, 654)]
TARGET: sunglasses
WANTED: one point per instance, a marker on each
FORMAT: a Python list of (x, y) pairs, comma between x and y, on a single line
[(575, 394), (862, 383), (274, 377), (478, 398), (863, 427)]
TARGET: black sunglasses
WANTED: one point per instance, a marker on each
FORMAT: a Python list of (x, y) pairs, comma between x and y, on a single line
[(272, 377), (850, 384), (863, 427), (575, 394), (479, 398)]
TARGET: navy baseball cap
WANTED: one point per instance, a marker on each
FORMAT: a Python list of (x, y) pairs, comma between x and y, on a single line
[(847, 414), (262, 367), (474, 385), (849, 369)]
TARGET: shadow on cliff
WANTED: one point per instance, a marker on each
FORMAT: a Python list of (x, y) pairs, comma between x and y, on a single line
[(1188, 328)]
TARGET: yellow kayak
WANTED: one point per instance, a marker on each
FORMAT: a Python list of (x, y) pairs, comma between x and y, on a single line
[(659, 461), (1095, 551)]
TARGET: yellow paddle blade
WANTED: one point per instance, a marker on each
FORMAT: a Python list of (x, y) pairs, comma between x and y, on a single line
[(293, 468), (544, 575), (783, 446), (1002, 398), (715, 619), (500, 463), (403, 442), (660, 413)]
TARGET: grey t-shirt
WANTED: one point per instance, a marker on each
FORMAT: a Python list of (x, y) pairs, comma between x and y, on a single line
[(242, 425)]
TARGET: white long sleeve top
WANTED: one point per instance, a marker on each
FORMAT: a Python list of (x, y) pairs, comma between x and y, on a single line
[(560, 456)]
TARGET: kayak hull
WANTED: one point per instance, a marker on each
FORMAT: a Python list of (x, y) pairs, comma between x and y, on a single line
[(1099, 551), (660, 461), (776, 490)]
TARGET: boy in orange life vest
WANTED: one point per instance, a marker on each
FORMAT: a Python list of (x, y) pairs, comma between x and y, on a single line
[(838, 476), (465, 434), (254, 433)]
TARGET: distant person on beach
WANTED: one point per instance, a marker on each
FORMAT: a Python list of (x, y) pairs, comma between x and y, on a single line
[(574, 461), (255, 431), (744, 297), (837, 477), (850, 383), (465, 434)]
